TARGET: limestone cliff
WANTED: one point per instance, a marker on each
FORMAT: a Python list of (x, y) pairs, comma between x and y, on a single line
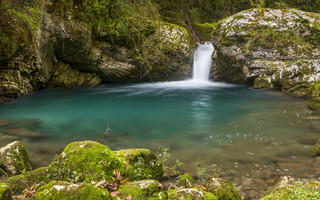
[(270, 48), (68, 43)]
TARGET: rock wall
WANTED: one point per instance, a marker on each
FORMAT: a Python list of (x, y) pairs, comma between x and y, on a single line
[(270, 48), (80, 43)]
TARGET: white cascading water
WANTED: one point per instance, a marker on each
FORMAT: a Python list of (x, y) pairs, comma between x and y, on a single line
[(202, 62)]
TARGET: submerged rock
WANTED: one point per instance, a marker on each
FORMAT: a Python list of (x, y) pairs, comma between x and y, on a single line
[(5, 192), (316, 151), (14, 159), (222, 189), (190, 193), (24, 133), (56, 190), (287, 187)]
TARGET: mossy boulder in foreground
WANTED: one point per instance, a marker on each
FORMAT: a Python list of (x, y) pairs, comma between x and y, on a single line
[(59, 190), (140, 164), (14, 159), (186, 181), (91, 162), (287, 187)]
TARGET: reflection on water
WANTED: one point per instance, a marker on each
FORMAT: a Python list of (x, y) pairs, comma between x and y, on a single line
[(252, 136)]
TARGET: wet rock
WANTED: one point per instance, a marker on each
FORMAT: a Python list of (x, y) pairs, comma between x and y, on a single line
[(308, 139), (222, 189), (316, 151), (24, 133), (145, 189), (190, 193), (5, 192), (56, 190), (186, 181), (14, 159)]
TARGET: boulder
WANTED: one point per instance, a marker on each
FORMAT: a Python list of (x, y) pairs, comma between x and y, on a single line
[(56, 190), (14, 159), (287, 187), (269, 48), (145, 189), (84, 161), (222, 189), (186, 181), (140, 164)]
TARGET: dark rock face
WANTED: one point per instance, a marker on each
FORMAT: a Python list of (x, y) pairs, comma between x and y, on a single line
[(37, 35), (269, 48)]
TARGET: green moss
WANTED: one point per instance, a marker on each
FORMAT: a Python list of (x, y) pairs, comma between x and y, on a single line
[(20, 182), (5, 192), (186, 181), (262, 82), (223, 189), (316, 150), (205, 31), (190, 194), (313, 96), (140, 189), (14, 159), (84, 161), (296, 192), (140, 164), (56, 190)]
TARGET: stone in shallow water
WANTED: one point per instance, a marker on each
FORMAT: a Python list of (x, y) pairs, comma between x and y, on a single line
[(4, 122), (25, 133)]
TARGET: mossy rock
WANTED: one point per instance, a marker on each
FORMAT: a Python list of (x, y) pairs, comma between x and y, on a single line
[(316, 150), (5, 192), (14, 159), (59, 190), (222, 189), (287, 187), (190, 193), (186, 181), (20, 182), (262, 82), (313, 96), (84, 161), (140, 164), (145, 189)]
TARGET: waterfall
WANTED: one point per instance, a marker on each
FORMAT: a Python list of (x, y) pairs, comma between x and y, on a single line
[(202, 62)]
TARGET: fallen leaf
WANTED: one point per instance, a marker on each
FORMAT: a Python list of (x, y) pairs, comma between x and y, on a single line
[(114, 194)]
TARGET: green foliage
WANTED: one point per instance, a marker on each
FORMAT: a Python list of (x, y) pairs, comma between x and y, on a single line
[(297, 192), (164, 155)]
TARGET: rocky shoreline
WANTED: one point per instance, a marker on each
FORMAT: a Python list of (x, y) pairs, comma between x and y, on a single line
[(92, 170)]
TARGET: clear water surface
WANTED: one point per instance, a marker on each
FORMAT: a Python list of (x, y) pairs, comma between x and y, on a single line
[(249, 136)]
